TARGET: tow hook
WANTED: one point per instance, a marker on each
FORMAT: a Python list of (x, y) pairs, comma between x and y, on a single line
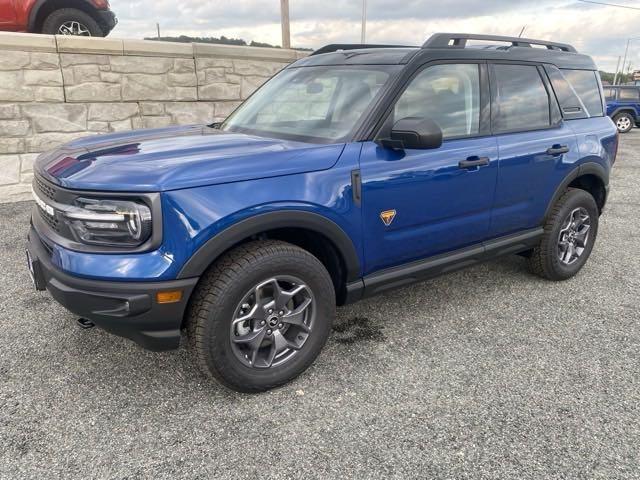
[(85, 323)]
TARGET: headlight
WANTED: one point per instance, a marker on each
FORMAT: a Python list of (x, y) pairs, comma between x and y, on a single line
[(118, 223)]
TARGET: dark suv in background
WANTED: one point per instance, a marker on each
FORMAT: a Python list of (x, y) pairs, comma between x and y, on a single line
[(89, 18), (623, 106)]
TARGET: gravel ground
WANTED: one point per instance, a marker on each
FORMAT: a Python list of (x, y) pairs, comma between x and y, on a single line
[(485, 373)]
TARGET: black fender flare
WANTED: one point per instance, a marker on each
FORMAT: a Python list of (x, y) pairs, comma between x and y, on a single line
[(629, 109), (223, 241), (33, 14), (588, 168)]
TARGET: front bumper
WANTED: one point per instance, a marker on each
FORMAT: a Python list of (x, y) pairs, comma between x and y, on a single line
[(107, 20), (127, 309)]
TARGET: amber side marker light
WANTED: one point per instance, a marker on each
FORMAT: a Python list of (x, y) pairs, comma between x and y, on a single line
[(170, 296)]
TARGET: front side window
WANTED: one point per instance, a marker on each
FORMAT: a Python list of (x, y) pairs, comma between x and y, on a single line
[(609, 93), (521, 101), (585, 83), (447, 94), (316, 104)]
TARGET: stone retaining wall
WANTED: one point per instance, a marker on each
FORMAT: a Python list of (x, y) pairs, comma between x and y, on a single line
[(55, 89)]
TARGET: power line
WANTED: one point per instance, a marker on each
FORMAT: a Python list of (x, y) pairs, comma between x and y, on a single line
[(610, 4)]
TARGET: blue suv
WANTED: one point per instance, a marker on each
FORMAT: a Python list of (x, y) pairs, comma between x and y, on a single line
[(623, 106), (353, 171)]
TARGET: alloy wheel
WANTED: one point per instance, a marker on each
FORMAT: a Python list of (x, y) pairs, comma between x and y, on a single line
[(73, 27), (623, 123), (272, 322), (574, 236)]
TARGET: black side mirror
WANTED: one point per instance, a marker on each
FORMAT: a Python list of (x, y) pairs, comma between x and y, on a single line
[(414, 133)]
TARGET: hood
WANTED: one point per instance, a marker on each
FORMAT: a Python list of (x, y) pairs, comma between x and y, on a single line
[(178, 157)]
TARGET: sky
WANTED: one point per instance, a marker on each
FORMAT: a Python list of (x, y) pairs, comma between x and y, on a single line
[(600, 31)]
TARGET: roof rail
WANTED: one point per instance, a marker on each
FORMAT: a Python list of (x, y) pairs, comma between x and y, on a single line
[(459, 40), (334, 47)]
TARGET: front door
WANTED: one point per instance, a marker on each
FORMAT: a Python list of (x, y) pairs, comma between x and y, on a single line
[(7, 15), (420, 203)]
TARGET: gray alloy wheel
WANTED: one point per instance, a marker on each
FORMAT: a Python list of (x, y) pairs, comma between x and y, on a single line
[(72, 27), (624, 122), (574, 236), (272, 322)]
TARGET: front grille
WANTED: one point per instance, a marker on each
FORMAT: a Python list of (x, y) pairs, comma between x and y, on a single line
[(44, 188), (52, 221)]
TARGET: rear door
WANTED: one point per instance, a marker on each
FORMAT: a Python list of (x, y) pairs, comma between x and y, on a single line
[(536, 148)]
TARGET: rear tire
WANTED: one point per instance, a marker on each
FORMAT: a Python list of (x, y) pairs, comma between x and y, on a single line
[(624, 122), (71, 21), (256, 281), (569, 235)]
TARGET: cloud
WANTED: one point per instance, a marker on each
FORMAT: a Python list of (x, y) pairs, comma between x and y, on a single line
[(597, 30)]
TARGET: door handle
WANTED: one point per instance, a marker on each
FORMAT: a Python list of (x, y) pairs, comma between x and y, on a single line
[(557, 150), (474, 161)]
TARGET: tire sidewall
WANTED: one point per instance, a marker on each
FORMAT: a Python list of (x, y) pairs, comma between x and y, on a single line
[(220, 355), (576, 199)]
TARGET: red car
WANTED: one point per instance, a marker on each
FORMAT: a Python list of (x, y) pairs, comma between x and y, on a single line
[(58, 17)]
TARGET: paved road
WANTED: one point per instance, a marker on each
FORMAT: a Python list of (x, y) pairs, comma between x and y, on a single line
[(486, 373)]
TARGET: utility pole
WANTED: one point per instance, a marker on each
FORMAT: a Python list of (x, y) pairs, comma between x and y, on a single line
[(626, 50), (363, 33), (284, 14), (615, 78), (624, 62), (158, 28)]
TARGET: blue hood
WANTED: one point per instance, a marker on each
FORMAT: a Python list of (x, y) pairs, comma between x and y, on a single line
[(178, 157)]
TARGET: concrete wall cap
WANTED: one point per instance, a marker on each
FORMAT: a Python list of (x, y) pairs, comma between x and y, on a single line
[(242, 52), (152, 48), (104, 46), (29, 42)]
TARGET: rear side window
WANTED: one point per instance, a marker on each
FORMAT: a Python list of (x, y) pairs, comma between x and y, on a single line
[(585, 84), (521, 101), (628, 94)]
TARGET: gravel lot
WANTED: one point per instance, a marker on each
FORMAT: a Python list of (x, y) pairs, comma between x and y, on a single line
[(486, 373)]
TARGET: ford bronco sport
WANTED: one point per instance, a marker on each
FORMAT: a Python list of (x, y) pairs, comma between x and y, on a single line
[(352, 171)]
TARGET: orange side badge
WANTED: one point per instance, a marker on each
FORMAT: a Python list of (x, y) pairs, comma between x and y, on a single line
[(387, 216)]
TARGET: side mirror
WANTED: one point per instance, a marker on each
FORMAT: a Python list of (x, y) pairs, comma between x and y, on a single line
[(414, 133)]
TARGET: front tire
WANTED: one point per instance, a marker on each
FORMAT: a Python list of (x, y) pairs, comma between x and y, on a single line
[(71, 21), (569, 235), (260, 315), (624, 122)]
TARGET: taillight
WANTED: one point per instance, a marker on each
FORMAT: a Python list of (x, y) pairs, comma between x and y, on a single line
[(101, 4)]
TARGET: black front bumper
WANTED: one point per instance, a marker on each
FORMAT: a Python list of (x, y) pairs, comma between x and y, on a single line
[(127, 309), (107, 20)]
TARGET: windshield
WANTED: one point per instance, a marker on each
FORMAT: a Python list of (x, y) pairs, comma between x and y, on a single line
[(315, 104)]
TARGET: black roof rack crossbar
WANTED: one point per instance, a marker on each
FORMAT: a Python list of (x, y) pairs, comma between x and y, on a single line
[(334, 47), (459, 40)]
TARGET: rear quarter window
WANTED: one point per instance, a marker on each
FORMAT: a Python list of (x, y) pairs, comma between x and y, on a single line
[(586, 85), (629, 94)]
